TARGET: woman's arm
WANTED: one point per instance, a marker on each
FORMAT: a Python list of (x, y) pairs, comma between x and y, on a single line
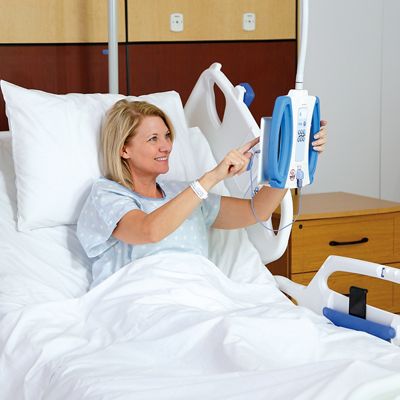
[(137, 227), (237, 213)]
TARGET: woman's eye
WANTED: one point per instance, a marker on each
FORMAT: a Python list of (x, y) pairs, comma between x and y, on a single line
[(153, 139), (168, 135)]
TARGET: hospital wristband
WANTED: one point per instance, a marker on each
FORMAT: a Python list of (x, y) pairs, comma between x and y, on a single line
[(199, 190)]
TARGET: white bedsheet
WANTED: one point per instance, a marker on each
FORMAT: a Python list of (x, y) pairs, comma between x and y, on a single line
[(173, 326)]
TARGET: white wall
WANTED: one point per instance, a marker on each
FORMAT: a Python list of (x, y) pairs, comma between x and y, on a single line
[(353, 65), (390, 148)]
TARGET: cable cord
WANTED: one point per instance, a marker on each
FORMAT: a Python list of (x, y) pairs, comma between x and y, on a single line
[(254, 191)]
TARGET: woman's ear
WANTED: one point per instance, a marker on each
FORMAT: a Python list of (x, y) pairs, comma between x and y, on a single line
[(123, 153)]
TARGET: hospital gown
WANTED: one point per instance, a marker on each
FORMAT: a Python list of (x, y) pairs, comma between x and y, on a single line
[(109, 201)]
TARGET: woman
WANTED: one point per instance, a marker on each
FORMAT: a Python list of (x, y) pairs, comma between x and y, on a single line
[(129, 215)]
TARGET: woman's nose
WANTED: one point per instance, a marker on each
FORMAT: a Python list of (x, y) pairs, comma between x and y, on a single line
[(166, 146)]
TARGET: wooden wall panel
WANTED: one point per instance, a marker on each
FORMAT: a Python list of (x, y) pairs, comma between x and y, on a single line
[(57, 69), (57, 21), (211, 20), (86, 21), (268, 66)]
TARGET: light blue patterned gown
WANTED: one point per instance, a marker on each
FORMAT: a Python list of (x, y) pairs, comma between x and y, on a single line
[(109, 201)]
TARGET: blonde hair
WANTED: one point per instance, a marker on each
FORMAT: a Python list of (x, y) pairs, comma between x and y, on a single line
[(119, 127)]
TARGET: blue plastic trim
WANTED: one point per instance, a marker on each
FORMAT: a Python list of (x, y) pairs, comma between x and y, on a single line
[(350, 321), (280, 143), (315, 126), (249, 94)]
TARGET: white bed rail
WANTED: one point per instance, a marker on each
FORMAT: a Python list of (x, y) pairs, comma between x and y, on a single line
[(318, 295), (236, 128)]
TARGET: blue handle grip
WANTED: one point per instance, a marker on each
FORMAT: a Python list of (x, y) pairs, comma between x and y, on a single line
[(350, 321), (280, 143), (315, 126), (249, 95)]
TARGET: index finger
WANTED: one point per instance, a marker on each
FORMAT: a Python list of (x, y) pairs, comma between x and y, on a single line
[(246, 147)]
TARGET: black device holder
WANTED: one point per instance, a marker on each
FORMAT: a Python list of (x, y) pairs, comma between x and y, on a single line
[(358, 302)]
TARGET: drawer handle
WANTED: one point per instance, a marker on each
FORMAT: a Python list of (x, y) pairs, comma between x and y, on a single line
[(335, 243)]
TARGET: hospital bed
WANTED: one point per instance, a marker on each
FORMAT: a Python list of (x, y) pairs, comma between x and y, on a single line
[(170, 326)]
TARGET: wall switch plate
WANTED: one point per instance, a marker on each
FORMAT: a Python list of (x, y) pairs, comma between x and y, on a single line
[(176, 22), (249, 22)]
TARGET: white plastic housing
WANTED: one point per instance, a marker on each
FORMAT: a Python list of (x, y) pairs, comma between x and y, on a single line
[(300, 101)]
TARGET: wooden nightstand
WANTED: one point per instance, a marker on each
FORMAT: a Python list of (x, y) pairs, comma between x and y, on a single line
[(347, 225)]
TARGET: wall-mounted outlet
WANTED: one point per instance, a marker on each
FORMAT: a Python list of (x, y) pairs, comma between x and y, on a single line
[(176, 22), (249, 22)]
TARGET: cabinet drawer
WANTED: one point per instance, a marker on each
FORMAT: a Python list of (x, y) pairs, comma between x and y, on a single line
[(312, 241), (380, 293), (396, 292), (397, 236)]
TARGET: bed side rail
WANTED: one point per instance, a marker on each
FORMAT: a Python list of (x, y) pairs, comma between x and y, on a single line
[(317, 296), (236, 128)]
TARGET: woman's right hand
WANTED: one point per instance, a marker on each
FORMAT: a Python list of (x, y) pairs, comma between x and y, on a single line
[(235, 162)]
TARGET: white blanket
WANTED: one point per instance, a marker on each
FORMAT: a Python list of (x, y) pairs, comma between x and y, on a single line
[(173, 326)]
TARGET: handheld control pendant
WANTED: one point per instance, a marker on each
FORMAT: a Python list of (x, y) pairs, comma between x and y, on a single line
[(288, 158)]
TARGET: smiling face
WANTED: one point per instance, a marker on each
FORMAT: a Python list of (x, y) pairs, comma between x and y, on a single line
[(147, 152)]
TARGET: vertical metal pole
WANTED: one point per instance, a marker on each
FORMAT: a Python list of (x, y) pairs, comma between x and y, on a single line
[(113, 86), (303, 44)]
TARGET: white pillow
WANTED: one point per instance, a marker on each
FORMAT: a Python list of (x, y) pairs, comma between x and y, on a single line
[(55, 141)]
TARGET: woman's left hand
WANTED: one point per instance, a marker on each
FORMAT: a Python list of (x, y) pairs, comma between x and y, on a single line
[(321, 137)]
